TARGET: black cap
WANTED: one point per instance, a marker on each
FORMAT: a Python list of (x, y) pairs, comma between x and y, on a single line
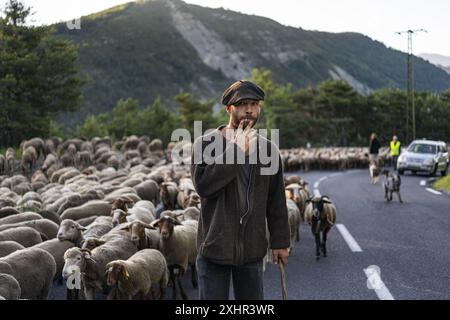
[(241, 90)]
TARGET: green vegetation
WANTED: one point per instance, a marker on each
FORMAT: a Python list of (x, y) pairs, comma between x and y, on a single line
[(443, 184), (134, 50), (38, 77)]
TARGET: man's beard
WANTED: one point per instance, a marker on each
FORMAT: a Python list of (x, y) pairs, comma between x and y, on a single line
[(237, 121)]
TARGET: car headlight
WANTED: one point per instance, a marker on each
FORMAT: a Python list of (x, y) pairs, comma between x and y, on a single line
[(428, 162), (401, 158)]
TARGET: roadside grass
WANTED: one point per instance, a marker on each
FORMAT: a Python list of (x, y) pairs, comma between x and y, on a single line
[(443, 184)]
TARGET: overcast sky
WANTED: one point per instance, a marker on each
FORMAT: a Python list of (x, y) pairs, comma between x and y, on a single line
[(379, 19)]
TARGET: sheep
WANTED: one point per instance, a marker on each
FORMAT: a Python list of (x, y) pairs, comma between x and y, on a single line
[(85, 159), (44, 226), (320, 213), (48, 162), (33, 268), (25, 216), (136, 275), (8, 247), (148, 190), (168, 195), (49, 147), (294, 222), (72, 231), (10, 160), (7, 211), (77, 200), (36, 143), (144, 235), (29, 158), (178, 243), (92, 264), (299, 195), (91, 208), (9, 287), (25, 236), (57, 249), (50, 215), (191, 213)]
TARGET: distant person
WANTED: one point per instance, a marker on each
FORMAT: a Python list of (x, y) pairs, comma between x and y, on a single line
[(374, 148), (394, 148)]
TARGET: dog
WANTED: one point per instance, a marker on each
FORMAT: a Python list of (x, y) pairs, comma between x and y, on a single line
[(391, 185), (374, 170)]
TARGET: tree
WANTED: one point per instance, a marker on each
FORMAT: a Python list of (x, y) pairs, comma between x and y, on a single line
[(38, 77), (158, 122), (125, 118), (94, 126), (193, 110)]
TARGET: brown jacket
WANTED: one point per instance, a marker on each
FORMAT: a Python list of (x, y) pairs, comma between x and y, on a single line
[(225, 238)]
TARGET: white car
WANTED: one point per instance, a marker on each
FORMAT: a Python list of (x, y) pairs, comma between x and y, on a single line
[(425, 156)]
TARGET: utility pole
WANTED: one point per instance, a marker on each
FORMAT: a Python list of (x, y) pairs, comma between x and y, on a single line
[(410, 100)]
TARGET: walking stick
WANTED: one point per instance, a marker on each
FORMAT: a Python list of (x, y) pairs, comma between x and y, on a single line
[(282, 279)]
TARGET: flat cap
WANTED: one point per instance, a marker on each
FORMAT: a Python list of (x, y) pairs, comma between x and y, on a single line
[(241, 90)]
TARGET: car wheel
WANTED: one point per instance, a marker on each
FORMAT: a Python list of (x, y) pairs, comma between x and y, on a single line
[(401, 172), (414, 172), (444, 172), (433, 173)]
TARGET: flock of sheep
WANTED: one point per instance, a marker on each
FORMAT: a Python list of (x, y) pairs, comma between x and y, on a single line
[(86, 211), (328, 158)]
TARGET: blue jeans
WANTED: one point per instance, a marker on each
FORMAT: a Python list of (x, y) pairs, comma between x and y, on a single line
[(214, 280)]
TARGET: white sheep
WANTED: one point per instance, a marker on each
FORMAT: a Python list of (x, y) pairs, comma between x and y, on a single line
[(178, 243), (136, 275), (33, 268)]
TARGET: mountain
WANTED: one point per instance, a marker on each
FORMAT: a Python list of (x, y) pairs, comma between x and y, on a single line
[(439, 60), (163, 47)]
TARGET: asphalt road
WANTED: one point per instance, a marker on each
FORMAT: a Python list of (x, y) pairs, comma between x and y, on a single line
[(402, 248)]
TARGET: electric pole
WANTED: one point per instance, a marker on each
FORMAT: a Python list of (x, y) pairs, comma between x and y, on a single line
[(410, 101)]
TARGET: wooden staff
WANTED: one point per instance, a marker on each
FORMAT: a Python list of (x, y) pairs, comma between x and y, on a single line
[(282, 279)]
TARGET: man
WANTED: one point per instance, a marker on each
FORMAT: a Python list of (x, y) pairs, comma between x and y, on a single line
[(236, 200), (374, 148), (394, 148)]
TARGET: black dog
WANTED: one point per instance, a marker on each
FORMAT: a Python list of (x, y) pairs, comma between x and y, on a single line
[(391, 185)]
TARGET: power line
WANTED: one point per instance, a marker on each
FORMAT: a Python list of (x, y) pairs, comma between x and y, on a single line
[(410, 101)]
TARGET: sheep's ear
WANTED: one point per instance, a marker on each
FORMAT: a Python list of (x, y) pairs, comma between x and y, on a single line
[(99, 242), (326, 201), (148, 226), (125, 273), (80, 227), (175, 221), (155, 223), (125, 226)]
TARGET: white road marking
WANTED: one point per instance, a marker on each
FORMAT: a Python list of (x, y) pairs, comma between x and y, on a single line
[(335, 174), (351, 242), (316, 193), (323, 179), (316, 184), (423, 183), (375, 283), (433, 191)]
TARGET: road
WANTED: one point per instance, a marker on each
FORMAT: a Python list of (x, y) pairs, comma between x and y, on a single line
[(402, 248)]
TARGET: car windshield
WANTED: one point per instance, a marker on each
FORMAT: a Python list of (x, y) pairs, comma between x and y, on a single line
[(422, 148)]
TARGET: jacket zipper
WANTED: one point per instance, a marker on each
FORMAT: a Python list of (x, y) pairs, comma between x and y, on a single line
[(240, 244), (248, 193)]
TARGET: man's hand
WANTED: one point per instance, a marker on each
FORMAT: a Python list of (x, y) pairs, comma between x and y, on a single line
[(280, 254), (245, 138)]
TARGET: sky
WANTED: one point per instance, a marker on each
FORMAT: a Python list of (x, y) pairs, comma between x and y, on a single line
[(378, 19)]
